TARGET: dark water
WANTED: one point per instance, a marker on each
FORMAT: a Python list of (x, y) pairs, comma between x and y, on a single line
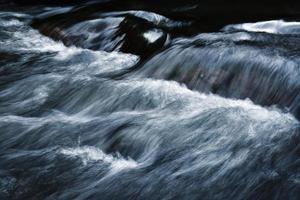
[(190, 116)]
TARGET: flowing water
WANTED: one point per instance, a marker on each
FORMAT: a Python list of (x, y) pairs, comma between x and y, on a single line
[(209, 116)]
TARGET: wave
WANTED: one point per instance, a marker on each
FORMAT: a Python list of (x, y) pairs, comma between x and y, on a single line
[(90, 154), (239, 65), (274, 26), (206, 116)]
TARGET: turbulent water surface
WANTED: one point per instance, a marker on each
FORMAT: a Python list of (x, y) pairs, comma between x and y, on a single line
[(92, 109)]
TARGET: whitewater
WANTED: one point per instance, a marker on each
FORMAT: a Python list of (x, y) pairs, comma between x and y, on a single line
[(209, 116)]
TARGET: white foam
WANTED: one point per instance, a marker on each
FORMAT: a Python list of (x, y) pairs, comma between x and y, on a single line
[(274, 26), (12, 22), (171, 91), (91, 62), (31, 40), (89, 154), (55, 116), (152, 35), (12, 14)]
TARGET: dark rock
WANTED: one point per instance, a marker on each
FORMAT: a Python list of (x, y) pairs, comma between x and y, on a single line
[(124, 32), (141, 37)]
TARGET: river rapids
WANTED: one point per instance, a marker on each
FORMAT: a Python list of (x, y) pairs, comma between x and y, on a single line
[(120, 103)]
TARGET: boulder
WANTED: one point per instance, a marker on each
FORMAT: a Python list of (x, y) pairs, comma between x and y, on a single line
[(140, 36)]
